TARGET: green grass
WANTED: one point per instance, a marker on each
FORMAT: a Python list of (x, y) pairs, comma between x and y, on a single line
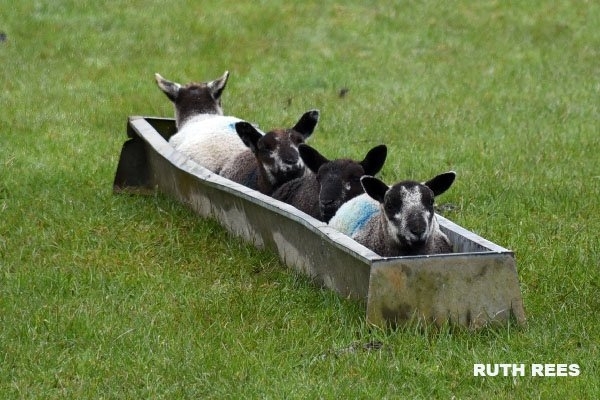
[(105, 296)]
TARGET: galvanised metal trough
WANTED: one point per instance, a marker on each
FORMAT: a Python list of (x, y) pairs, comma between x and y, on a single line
[(475, 286)]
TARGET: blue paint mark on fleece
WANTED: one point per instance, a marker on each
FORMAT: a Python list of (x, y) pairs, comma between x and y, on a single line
[(365, 210), (231, 127), (355, 214), (229, 124)]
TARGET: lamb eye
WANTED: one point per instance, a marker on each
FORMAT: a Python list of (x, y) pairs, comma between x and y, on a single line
[(391, 209), (266, 147)]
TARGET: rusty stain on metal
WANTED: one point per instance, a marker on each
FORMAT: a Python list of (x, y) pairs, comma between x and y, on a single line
[(475, 286)]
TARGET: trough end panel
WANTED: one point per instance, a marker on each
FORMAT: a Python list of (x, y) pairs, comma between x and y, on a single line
[(133, 173), (470, 290), (164, 126)]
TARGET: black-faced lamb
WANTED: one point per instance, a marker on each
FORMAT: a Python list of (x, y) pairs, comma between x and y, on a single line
[(204, 133), (328, 183), (398, 220), (270, 159)]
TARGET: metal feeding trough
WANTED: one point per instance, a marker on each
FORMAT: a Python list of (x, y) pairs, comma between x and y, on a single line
[(475, 286)]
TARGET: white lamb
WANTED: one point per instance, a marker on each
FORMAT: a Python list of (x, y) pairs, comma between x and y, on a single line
[(398, 220), (204, 134)]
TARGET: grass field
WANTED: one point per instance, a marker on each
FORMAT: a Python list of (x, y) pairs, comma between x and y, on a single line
[(116, 296)]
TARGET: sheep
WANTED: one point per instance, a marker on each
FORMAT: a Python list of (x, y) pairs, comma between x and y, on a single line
[(204, 134), (328, 183), (270, 159), (398, 220)]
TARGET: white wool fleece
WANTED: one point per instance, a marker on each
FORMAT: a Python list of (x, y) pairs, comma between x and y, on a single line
[(210, 142)]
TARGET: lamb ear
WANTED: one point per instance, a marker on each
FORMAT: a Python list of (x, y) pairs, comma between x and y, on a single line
[(374, 187), (311, 157), (374, 160), (171, 89), (307, 123), (249, 135), (218, 85), (441, 183)]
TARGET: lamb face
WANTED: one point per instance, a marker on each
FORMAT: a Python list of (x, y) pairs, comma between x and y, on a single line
[(194, 98), (408, 215), (339, 180), (277, 151), (408, 208)]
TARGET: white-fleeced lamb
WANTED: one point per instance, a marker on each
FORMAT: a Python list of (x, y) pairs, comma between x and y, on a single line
[(204, 134), (398, 220), (328, 183), (270, 159)]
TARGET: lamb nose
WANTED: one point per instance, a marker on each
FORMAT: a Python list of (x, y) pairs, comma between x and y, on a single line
[(418, 230), (288, 158)]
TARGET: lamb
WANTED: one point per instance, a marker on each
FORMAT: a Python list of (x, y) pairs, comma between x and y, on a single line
[(271, 159), (204, 133), (398, 220), (328, 183)]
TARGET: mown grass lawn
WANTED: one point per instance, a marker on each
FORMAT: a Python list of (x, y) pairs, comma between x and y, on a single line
[(106, 296)]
